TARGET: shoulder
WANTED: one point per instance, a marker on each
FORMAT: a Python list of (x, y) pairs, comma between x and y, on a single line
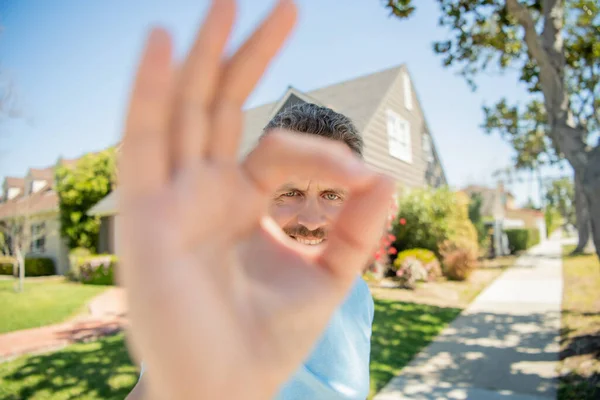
[(359, 301)]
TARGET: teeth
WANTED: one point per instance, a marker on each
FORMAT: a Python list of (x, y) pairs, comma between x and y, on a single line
[(309, 242)]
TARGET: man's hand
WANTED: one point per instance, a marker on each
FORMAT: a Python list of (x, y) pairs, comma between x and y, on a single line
[(222, 303)]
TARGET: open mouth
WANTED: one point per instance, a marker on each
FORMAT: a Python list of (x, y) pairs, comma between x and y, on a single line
[(310, 242)]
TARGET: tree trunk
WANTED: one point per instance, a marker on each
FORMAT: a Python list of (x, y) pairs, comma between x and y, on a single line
[(21, 262), (583, 216), (591, 187)]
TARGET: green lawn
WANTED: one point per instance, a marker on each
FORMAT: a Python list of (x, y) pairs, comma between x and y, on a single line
[(87, 371), (43, 301), (580, 330), (103, 370), (400, 331)]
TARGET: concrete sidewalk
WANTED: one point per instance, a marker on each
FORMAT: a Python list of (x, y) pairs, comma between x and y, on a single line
[(503, 346), (107, 315)]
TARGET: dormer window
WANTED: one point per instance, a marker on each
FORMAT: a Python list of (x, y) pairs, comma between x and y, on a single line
[(37, 185), (12, 193)]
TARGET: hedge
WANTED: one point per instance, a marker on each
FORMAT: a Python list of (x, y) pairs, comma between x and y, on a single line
[(522, 239), (34, 266), (95, 270)]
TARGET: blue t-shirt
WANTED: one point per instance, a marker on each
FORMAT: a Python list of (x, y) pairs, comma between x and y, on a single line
[(338, 367)]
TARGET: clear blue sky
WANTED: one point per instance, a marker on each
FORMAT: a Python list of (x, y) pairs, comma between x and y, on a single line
[(73, 61)]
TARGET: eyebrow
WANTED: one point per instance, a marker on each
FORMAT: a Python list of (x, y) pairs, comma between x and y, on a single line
[(287, 187)]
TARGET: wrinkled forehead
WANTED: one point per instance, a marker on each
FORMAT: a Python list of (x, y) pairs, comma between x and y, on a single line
[(310, 185)]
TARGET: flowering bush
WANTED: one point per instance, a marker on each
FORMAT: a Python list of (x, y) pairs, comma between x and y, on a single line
[(427, 259), (459, 260), (96, 270), (428, 217), (411, 271)]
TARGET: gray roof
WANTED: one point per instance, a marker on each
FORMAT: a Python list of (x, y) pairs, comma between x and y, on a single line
[(357, 99), (106, 206)]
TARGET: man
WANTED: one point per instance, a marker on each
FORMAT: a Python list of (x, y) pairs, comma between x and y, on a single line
[(222, 304), (338, 367)]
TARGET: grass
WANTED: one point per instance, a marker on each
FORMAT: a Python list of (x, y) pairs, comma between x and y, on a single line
[(580, 327), (87, 371), (400, 331), (43, 301), (103, 369)]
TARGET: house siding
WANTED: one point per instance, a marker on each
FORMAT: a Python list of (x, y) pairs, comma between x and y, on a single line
[(376, 140), (55, 246)]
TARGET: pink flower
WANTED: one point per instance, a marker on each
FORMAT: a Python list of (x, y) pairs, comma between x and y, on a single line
[(392, 250), (402, 221)]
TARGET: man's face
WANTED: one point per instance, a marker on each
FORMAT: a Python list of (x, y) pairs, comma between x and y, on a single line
[(305, 209)]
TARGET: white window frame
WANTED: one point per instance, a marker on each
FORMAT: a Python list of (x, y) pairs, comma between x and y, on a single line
[(399, 137), (408, 97)]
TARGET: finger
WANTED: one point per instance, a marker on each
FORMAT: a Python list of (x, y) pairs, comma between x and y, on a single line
[(281, 154), (144, 160), (198, 81), (241, 74), (357, 230)]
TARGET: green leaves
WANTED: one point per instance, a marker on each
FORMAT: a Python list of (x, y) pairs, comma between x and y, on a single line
[(484, 37), (560, 196), (79, 189)]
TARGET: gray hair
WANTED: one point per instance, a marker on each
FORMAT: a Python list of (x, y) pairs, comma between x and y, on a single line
[(317, 120)]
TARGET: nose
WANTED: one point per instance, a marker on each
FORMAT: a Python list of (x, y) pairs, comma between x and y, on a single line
[(312, 215)]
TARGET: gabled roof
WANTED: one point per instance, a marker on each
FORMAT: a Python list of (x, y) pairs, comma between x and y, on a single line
[(356, 98), (45, 200), (46, 174), (14, 182)]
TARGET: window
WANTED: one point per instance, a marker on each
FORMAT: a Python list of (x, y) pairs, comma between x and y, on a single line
[(36, 186), (38, 238), (12, 193), (399, 137), (408, 98), (427, 148)]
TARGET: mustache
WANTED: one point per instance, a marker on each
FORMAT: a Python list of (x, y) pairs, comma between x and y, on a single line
[(302, 231)]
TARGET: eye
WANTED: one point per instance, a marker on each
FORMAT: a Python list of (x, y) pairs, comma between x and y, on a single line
[(291, 193), (331, 196)]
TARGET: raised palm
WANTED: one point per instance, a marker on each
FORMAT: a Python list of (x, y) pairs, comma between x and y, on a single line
[(217, 294)]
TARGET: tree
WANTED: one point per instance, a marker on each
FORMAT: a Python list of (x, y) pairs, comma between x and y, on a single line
[(560, 195), (476, 217), (20, 230), (79, 188), (556, 46)]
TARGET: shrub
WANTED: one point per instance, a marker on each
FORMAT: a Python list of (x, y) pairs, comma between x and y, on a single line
[(80, 252), (426, 257), (34, 266), (6, 265), (39, 266), (533, 238), (522, 239), (95, 270), (428, 217), (411, 271), (459, 261)]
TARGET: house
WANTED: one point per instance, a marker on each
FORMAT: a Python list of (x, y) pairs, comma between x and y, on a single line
[(498, 208), (31, 202), (385, 108)]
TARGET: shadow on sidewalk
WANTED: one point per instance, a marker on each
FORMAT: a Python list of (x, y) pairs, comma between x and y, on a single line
[(484, 350), (98, 370)]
